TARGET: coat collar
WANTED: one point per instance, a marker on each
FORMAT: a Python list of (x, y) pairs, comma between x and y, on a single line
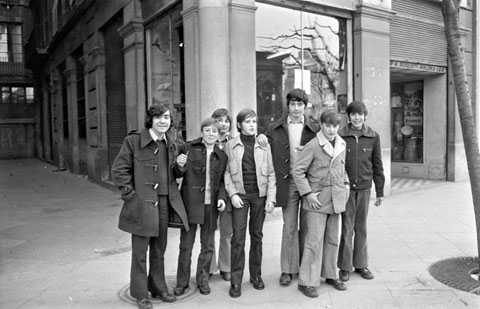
[(237, 141), (348, 131), (340, 145), (199, 142), (146, 138), (308, 122)]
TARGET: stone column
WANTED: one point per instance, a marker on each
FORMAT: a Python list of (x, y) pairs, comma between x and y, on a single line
[(57, 113), (47, 150), (242, 51), (71, 77), (371, 41), (96, 100), (219, 38), (133, 36)]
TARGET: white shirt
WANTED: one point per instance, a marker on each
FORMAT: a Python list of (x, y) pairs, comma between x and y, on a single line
[(208, 191), (294, 137), (155, 137)]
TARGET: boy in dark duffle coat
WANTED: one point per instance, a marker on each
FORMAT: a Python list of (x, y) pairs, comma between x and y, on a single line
[(143, 171), (202, 165)]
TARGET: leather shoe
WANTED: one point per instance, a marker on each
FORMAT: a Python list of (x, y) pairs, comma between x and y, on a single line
[(309, 291), (344, 275), (285, 279), (257, 283), (365, 273), (179, 290), (235, 290), (165, 297), (204, 289), (225, 275), (144, 303), (339, 285)]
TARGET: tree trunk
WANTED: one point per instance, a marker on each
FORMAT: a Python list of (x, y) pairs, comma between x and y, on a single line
[(464, 102)]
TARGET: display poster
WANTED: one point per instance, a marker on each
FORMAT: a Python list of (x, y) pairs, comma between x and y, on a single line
[(406, 104)]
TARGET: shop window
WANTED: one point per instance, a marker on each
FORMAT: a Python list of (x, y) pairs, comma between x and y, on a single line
[(165, 66), (407, 121), (297, 49)]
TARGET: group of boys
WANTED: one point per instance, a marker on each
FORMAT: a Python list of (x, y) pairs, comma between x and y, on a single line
[(143, 169)]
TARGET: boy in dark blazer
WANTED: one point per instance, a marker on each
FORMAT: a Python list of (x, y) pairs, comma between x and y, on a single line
[(202, 165)]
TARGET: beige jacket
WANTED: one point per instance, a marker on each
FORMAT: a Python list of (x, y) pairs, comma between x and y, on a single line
[(321, 169), (234, 149)]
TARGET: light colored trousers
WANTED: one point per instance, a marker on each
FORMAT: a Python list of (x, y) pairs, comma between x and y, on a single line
[(226, 232), (321, 247), (293, 233)]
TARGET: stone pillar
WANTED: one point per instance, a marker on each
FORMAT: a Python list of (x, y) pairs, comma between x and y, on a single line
[(71, 77), (242, 51), (56, 95), (133, 36), (47, 150), (219, 38), (96, 100), (371, 41)]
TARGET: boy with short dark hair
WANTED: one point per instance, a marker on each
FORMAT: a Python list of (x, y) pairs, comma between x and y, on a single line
[(363, 164)]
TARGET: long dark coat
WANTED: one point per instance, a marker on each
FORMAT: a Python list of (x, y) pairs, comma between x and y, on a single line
[(194, 179), (135, 172), (277, 134)]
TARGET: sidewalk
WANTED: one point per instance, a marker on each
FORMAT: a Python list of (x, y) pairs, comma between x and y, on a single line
[(60, 248)]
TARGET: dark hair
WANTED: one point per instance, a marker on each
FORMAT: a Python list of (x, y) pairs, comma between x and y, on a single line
[(330, 117), (242, 115), (297, 94), (209, 122), (356, 107), (155, 110), (220, 112)]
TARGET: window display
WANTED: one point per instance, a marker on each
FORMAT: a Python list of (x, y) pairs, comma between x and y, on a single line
[(407, 121), (297, 49), (165, 66)]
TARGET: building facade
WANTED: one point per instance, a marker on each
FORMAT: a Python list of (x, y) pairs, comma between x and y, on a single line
[(100, 64), (17, 108)]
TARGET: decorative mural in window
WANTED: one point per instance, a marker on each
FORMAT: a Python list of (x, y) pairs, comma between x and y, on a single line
[(407, 121)]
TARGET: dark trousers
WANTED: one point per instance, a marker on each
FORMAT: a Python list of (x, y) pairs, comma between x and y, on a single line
[(256, 205), (207, 243), (140, 282), (353, 241)]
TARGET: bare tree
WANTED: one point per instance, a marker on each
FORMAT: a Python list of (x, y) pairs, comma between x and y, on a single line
[(323, 64), (450, 9)]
